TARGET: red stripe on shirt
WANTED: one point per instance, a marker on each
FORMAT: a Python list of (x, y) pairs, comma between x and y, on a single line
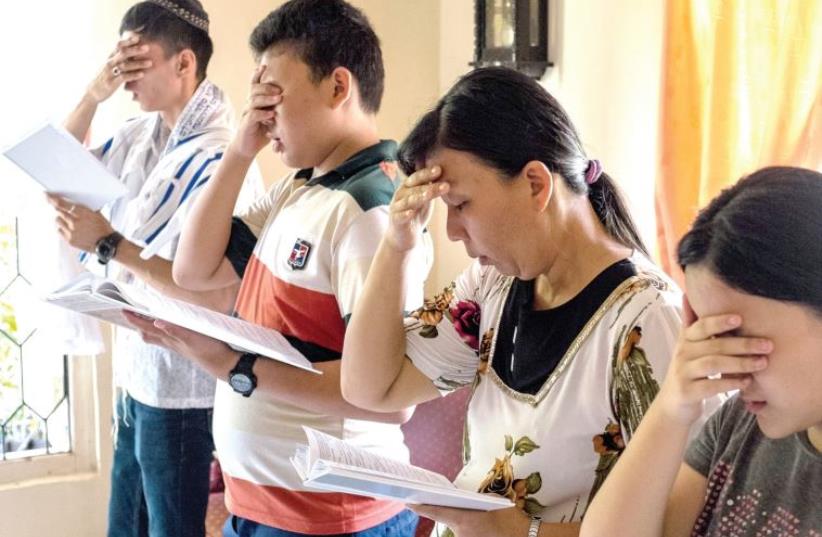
[(311, 513), (308, 315)]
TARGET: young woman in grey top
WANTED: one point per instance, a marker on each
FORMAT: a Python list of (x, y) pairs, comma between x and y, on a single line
[(753, 270)]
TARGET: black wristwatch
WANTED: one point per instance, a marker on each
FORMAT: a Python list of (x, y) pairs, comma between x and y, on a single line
[(106, 248), (242, 378)]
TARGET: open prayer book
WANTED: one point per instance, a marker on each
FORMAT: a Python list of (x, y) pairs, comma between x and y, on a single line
[(330, 464), (51, 156), (106, 300)]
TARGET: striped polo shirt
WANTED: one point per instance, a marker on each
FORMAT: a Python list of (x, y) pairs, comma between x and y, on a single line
[(313, 240)]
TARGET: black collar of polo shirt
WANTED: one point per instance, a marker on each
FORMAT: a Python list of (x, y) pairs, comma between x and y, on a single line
[(379, 152)]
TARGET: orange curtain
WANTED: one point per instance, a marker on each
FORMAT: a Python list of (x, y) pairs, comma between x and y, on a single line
[(742, 89)]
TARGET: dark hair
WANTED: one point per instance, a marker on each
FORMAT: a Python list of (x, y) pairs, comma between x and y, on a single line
[(327, 34), (506, 119), (763, 236), (157, 23)]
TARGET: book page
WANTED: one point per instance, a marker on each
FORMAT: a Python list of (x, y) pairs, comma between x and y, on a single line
[(236, 332), (103, 308), (91, 293), (106, 299), (328, 449), (300, 461), (84, 282), (111, 290), (336, 466), (55, 159), (95, 296)]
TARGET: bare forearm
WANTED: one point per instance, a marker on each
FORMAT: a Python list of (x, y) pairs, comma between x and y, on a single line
[(557, 529), (519, 527), (375, 337), (156, 272), (510, 522), (293, 386), (207, 229), (633, 495), (79, 120), (318, 393)]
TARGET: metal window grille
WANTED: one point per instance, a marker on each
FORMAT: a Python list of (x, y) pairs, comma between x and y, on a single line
[(34, 384)]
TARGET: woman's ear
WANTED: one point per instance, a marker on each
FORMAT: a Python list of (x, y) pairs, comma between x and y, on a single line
[(540, 182), (342, 84)]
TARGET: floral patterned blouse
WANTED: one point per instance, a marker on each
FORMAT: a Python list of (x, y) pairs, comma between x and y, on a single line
[(548, 452)]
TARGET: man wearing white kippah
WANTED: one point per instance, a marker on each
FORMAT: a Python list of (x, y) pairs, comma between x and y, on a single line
[(164, 445)]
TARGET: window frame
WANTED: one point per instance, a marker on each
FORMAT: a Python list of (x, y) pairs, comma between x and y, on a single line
[(90, 389)]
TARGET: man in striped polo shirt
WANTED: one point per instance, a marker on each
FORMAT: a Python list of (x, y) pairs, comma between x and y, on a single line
[(164, 446), (303, 251)]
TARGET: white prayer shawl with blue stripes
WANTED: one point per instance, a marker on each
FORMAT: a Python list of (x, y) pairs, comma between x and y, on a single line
[(164, 171)]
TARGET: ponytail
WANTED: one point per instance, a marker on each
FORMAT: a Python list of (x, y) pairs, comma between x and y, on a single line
[(612, 211), (507, 119)]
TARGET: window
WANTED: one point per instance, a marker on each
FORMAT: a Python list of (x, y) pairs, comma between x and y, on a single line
[(53, 407), (34, 399), (55, 415)]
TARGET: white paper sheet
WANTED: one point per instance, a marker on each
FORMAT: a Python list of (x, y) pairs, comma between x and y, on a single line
[(52, 157)]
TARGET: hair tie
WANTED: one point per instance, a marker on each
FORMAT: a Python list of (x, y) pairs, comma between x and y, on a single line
[(593, 171)]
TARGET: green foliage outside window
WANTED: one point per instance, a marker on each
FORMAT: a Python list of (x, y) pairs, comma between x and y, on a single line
[(8, 322)]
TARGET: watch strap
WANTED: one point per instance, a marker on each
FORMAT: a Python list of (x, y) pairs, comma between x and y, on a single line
[(533, 529), (245, 367), (245, 364)]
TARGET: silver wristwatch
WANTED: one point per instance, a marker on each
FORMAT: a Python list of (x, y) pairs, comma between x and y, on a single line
[(106, 247), (533, 529)]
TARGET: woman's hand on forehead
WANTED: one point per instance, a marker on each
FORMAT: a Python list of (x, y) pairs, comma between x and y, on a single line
[(410, 209)]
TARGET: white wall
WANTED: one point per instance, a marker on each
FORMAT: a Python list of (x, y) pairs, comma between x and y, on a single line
[(608, 77)]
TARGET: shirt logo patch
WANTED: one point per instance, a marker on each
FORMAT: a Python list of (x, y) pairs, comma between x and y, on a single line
[(299, 254), (389, 168)]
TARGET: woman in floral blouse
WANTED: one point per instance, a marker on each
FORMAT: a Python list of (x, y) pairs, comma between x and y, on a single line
[(561, 326)]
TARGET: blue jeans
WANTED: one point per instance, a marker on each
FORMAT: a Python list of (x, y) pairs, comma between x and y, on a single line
[(404, 524), (159, 479)]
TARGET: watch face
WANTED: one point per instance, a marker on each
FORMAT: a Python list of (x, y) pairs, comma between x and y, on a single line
[(104, 250), (241, 383)]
